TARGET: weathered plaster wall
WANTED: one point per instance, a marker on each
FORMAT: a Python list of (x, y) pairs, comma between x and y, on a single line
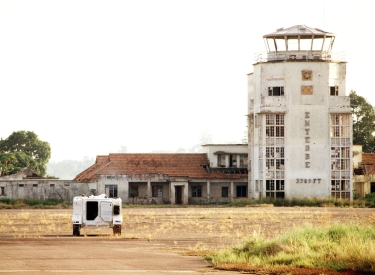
[(43, 189)]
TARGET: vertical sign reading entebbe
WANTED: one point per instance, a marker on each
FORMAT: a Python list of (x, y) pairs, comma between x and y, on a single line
[(307, 139)]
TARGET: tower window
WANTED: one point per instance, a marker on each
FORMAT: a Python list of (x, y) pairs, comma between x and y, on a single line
[(275, 91), (334, 90)]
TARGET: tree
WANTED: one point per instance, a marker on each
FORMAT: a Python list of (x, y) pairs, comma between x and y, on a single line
[(28, 150), (363, 122), (8, 164)]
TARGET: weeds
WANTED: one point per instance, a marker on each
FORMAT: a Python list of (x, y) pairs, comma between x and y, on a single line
[(6, 203), (338, 247)]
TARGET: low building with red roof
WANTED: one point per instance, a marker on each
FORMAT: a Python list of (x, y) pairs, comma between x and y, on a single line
[(177, 178)]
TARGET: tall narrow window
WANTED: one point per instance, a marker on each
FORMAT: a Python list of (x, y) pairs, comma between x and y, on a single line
[(225, 192), (275, 156), (340, 156), (221, 160)]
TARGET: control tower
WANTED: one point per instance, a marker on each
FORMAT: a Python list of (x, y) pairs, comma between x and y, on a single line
[(300, 125)]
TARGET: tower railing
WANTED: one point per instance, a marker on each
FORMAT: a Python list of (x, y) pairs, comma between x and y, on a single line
[(262, 57)]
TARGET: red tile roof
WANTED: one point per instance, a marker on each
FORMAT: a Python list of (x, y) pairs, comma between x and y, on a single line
[(192, 166), (368, 163)]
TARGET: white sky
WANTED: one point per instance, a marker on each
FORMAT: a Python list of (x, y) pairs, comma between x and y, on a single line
[(90, 76)]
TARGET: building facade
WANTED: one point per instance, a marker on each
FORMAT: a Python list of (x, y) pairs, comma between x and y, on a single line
[(300, 124), (171, 178)]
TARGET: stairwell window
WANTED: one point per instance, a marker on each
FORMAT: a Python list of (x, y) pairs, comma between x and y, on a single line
[(275, 91)]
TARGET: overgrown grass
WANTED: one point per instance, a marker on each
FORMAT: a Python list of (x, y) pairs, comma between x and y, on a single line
[(338, 247), (367, 202), (6, 203)]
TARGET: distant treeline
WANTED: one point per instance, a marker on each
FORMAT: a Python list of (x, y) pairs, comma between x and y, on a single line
[(68, 169)]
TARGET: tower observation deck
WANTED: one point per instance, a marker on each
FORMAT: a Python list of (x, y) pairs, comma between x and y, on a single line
[(299, 43)]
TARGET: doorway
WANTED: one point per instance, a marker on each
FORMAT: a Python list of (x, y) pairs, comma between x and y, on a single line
[(178, 194), (372, 187)]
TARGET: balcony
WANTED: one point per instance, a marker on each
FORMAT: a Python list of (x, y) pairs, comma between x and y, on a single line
[(299, 56)]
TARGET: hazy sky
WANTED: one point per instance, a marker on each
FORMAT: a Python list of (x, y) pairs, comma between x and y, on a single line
[(92, 76)]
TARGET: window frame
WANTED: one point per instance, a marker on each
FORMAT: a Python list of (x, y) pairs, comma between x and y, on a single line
[(157, 191), (196, 191), (111, 189), (276, 91), (225, 192)]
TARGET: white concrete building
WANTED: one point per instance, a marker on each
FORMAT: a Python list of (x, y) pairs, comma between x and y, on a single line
[(300, 125)]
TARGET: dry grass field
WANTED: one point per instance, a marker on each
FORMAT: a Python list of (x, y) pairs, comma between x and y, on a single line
[(192, 230), (229, 224)]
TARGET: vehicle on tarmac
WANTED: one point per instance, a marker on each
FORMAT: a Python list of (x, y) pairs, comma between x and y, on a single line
[(96, 211)]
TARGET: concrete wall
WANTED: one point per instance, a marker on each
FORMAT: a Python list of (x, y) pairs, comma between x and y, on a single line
[(357, 156), (43, 189)]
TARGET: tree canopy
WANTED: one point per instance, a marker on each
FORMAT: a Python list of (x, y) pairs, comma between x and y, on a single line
[(24, 149), (363, 122)]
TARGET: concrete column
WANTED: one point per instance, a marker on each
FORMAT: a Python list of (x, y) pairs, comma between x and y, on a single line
[(227, 161), (172, 195), (208, 190), (231, 191), (149, 194)]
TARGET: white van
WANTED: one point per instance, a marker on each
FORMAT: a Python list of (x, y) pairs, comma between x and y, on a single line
[(96, 211)]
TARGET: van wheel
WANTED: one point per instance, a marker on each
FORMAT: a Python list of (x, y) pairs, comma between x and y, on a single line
[(117, 230), (76, 230)]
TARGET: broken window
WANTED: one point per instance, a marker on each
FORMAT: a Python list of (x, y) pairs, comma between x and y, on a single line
[(111, 190), (233, 161), (243, 161), (334, 90), (221, 160), (275, 188), (241, 191), (196, 191), (275, 125), (2, 190), (225, 192), (340, 156), (157, 191), (275, 91)]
